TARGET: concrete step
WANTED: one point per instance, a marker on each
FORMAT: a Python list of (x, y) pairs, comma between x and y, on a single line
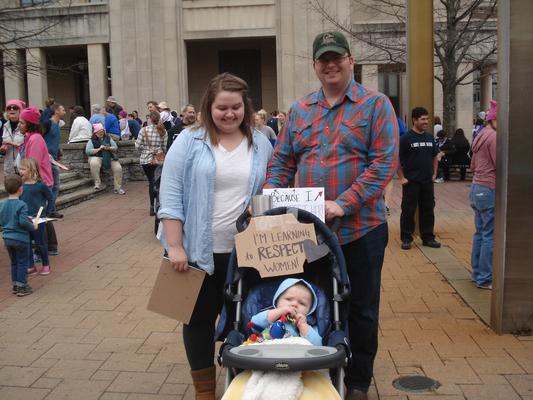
[(81, 194), (74, 184), (65, 177)]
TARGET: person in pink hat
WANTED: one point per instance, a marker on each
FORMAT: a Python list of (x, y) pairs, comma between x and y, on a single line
[(11, 136), (34, 144), (482, 199)]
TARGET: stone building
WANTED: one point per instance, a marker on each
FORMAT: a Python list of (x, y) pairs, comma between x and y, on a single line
[(138, 50)]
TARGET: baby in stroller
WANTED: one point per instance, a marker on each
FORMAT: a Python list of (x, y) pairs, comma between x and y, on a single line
[(293, 301), (314, 331)]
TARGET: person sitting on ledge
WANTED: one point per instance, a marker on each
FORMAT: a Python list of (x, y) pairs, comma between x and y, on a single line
[(101, 150)]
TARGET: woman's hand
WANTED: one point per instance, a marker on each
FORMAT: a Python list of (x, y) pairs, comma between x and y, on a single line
[(178, 258)]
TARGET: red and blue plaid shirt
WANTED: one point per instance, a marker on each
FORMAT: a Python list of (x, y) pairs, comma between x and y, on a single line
[(350, 149)]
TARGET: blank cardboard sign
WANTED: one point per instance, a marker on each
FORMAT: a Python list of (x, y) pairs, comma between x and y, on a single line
[(274, 245), (175, 293)]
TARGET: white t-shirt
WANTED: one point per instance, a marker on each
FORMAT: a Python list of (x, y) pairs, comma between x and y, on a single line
[(233, 170)]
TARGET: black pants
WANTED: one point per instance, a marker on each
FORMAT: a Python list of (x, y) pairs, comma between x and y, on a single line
[(149, 170), (51, 237), (417, 194), (198, 334), (444, 169), (364, 259)]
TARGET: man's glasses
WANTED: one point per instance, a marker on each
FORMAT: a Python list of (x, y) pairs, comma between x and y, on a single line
[(12, 108), (335, 60)]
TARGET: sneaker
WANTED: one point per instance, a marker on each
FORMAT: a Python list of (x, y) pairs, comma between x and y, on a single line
[(432, 243), (97, 187), (439, 180), (53, 252), (45, 270), (32, 271), (37, 259), (24, 290), (15, 289), (407, 245), (487, 286), (55, 214), (119, 191)]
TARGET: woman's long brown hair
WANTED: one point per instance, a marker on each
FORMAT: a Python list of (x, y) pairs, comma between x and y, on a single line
[(230, 83)]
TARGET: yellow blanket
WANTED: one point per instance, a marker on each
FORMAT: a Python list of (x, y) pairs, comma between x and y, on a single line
[(316, 386)]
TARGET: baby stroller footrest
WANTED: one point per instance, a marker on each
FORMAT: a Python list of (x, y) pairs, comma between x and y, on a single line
[(283, 357)]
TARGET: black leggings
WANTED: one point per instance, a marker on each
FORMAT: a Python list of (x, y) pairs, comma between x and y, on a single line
[(198, 335), (149, 170)]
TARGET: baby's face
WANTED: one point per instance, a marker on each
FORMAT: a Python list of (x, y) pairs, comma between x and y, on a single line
[(297, 297)]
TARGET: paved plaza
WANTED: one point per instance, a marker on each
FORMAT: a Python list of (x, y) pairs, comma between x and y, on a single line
[(85, 333)]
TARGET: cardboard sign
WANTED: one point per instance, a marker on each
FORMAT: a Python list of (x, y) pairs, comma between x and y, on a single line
[(175, 293), (274, 245), (309, 199)]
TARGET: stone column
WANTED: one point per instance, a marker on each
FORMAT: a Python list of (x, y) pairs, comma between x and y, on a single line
[(420, 54), (98, 84), (512, 297), (13, 79), (37, 77), (369, 76), (485, 89)]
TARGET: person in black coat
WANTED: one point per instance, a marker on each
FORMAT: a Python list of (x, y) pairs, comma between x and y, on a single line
[(446, 152), (461, 156)]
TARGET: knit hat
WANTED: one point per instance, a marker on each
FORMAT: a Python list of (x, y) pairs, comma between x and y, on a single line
[(122, 114), (98, 127), (492, 113), (31, 114), (330, 41), (17, 103)]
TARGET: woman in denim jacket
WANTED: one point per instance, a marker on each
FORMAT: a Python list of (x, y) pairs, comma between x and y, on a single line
[(209, 176)]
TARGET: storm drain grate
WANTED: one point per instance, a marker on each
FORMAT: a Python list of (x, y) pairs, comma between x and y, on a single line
[(415, 383)]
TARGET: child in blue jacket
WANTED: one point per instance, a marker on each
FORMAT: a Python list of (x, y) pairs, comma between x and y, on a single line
[(16, 227)]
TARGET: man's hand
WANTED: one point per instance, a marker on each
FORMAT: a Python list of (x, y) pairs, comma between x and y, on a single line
[(178, 258), (404, 181), (333, 210)]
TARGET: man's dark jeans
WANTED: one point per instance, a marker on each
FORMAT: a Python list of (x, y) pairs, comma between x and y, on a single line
[(422, 195), (364, 259)]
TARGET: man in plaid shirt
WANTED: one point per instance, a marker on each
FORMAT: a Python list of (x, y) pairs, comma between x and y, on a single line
[(344, 138)]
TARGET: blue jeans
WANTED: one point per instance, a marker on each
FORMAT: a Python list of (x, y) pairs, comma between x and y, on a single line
[(55, 187), (18, 254), (364, 259), (38, 237), (482, 199)]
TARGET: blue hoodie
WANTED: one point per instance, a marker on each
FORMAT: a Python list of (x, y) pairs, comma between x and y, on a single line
[(262, 320)]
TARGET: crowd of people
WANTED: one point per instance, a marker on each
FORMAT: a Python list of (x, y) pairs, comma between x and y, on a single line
[(213, 161)]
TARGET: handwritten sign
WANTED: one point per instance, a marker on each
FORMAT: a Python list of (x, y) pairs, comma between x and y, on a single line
[(274, 245), (309, 199)]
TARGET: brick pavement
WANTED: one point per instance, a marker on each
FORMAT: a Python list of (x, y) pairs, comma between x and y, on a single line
[(86, 334)]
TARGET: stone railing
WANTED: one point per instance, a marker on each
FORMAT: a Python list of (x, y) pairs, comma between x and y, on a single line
[(75, 158)]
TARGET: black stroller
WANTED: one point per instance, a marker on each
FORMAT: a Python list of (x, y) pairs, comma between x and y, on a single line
[(247, 294)]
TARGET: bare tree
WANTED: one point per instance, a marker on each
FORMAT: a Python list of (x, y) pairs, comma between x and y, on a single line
[(465, 34), (16, 35)]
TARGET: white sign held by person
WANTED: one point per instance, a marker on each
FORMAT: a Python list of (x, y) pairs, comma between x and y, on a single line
[(310, 199)]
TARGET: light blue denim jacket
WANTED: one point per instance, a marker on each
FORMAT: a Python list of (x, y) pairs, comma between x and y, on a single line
[(188, 186)]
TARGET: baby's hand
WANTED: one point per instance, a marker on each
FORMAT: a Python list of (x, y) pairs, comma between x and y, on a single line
[(302, 325), (277, 313)]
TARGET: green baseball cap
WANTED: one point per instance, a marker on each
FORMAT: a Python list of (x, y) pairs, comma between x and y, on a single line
[(330, 41)]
